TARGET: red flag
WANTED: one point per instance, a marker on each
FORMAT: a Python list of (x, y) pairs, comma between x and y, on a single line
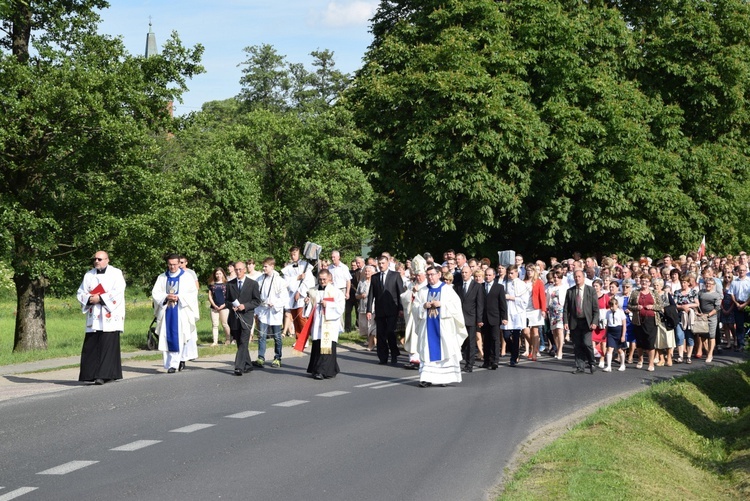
[(702, 248), (299, 345)]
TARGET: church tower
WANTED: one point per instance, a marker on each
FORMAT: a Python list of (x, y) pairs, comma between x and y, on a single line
[(151, 50), (150, 42)]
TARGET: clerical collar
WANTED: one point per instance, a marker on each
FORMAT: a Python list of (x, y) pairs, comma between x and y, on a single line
[(101, 272), (321, 287)]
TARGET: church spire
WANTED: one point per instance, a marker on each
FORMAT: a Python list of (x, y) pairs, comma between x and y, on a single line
[(150, 41)]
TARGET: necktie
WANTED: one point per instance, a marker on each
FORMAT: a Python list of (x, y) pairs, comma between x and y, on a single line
[(466, 287), (382, 278), (579, 302), (488, 288), (239, 285)]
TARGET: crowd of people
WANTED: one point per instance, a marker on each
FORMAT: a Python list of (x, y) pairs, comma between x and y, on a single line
[(447, 315)]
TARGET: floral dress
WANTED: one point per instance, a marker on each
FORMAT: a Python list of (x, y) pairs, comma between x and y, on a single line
[(555, 307)]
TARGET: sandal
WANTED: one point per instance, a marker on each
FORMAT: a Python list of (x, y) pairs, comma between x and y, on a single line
[(688, 361), (678, 360)]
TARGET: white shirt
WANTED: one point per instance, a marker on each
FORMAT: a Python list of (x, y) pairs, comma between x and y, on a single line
[(340, 275)]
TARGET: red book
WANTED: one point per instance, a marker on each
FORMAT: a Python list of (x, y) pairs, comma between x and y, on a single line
[(97, 290)]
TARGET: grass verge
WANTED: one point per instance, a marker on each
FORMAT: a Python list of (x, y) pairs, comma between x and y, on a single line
[(65, 330), (673, 441)]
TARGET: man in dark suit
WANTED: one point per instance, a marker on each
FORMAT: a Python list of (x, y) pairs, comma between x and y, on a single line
[(495, 315), (580, 317), (385, 289), (243, 296), (472, 304)]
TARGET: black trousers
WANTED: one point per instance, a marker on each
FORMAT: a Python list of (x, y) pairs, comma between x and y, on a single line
[(583, 348), (491, 342), (242, 338), (385, 330), (513, 339), (469, 348)]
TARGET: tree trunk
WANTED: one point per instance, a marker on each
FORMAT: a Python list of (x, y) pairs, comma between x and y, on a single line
[(31, 325)]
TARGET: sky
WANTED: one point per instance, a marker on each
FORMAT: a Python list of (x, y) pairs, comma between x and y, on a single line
[(225, 27)]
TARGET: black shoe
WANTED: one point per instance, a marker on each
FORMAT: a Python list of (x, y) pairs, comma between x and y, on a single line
[(424, 384), (411, 366), (485, 365), (394, 359), (493, 367), (99, 382), (237, 372), (383, 362), (248, 369), (171, 370), (513, 364), (470, 368), (318, 376), (182, 366), (591, 369), (577, 371)]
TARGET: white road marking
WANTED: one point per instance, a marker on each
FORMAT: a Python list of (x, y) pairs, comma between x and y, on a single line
[(16, 493), (369, 384), (191, 428), (134, 446), (246, 414), (385, 385), (379, 384), (67, 468), (291, 403), (332, 394)]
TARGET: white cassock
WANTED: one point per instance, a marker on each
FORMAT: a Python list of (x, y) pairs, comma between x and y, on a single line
[(441, 332), (411, 316), (175, 323), (109, 315), (516, 307), (326, 324), (273, 298), (294, 285)]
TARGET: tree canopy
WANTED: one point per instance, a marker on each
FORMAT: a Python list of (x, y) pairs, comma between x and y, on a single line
[(549, 126), (81, 122)]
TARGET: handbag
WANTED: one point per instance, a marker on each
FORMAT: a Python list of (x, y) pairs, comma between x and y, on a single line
[(700, 325)]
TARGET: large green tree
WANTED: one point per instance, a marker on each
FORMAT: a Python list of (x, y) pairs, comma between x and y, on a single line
[(79, 135), (557, 125)]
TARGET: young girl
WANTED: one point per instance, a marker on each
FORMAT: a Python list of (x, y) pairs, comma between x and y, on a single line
[(616, 327)]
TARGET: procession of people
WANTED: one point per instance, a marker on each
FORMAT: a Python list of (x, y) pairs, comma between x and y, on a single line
[(447, 317)]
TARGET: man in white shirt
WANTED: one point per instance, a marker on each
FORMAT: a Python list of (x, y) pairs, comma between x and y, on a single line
[(740, 292), (340, 273)]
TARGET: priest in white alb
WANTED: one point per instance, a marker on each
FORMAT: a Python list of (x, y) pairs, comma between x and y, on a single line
[(102, 297), (411, 315), (441, 332), (328, 305), (176, 308)]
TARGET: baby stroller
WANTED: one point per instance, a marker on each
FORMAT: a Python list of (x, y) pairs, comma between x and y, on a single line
[(152, 338)]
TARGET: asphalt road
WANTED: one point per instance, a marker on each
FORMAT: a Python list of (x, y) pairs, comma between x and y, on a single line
[(369, 434)]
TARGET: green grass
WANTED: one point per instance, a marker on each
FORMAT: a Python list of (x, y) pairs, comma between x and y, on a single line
[(65, 330), (672, 442)]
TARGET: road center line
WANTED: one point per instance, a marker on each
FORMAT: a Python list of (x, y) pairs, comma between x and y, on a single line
[(291, 403), (17, 493), (134, 446), (191, 428), (67, 467), (246, 414)]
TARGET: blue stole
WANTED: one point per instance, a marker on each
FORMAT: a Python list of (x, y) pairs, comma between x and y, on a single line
[(433, 324), (170, 317)]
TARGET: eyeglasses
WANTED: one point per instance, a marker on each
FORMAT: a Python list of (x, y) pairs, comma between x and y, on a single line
[(99, 258)]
